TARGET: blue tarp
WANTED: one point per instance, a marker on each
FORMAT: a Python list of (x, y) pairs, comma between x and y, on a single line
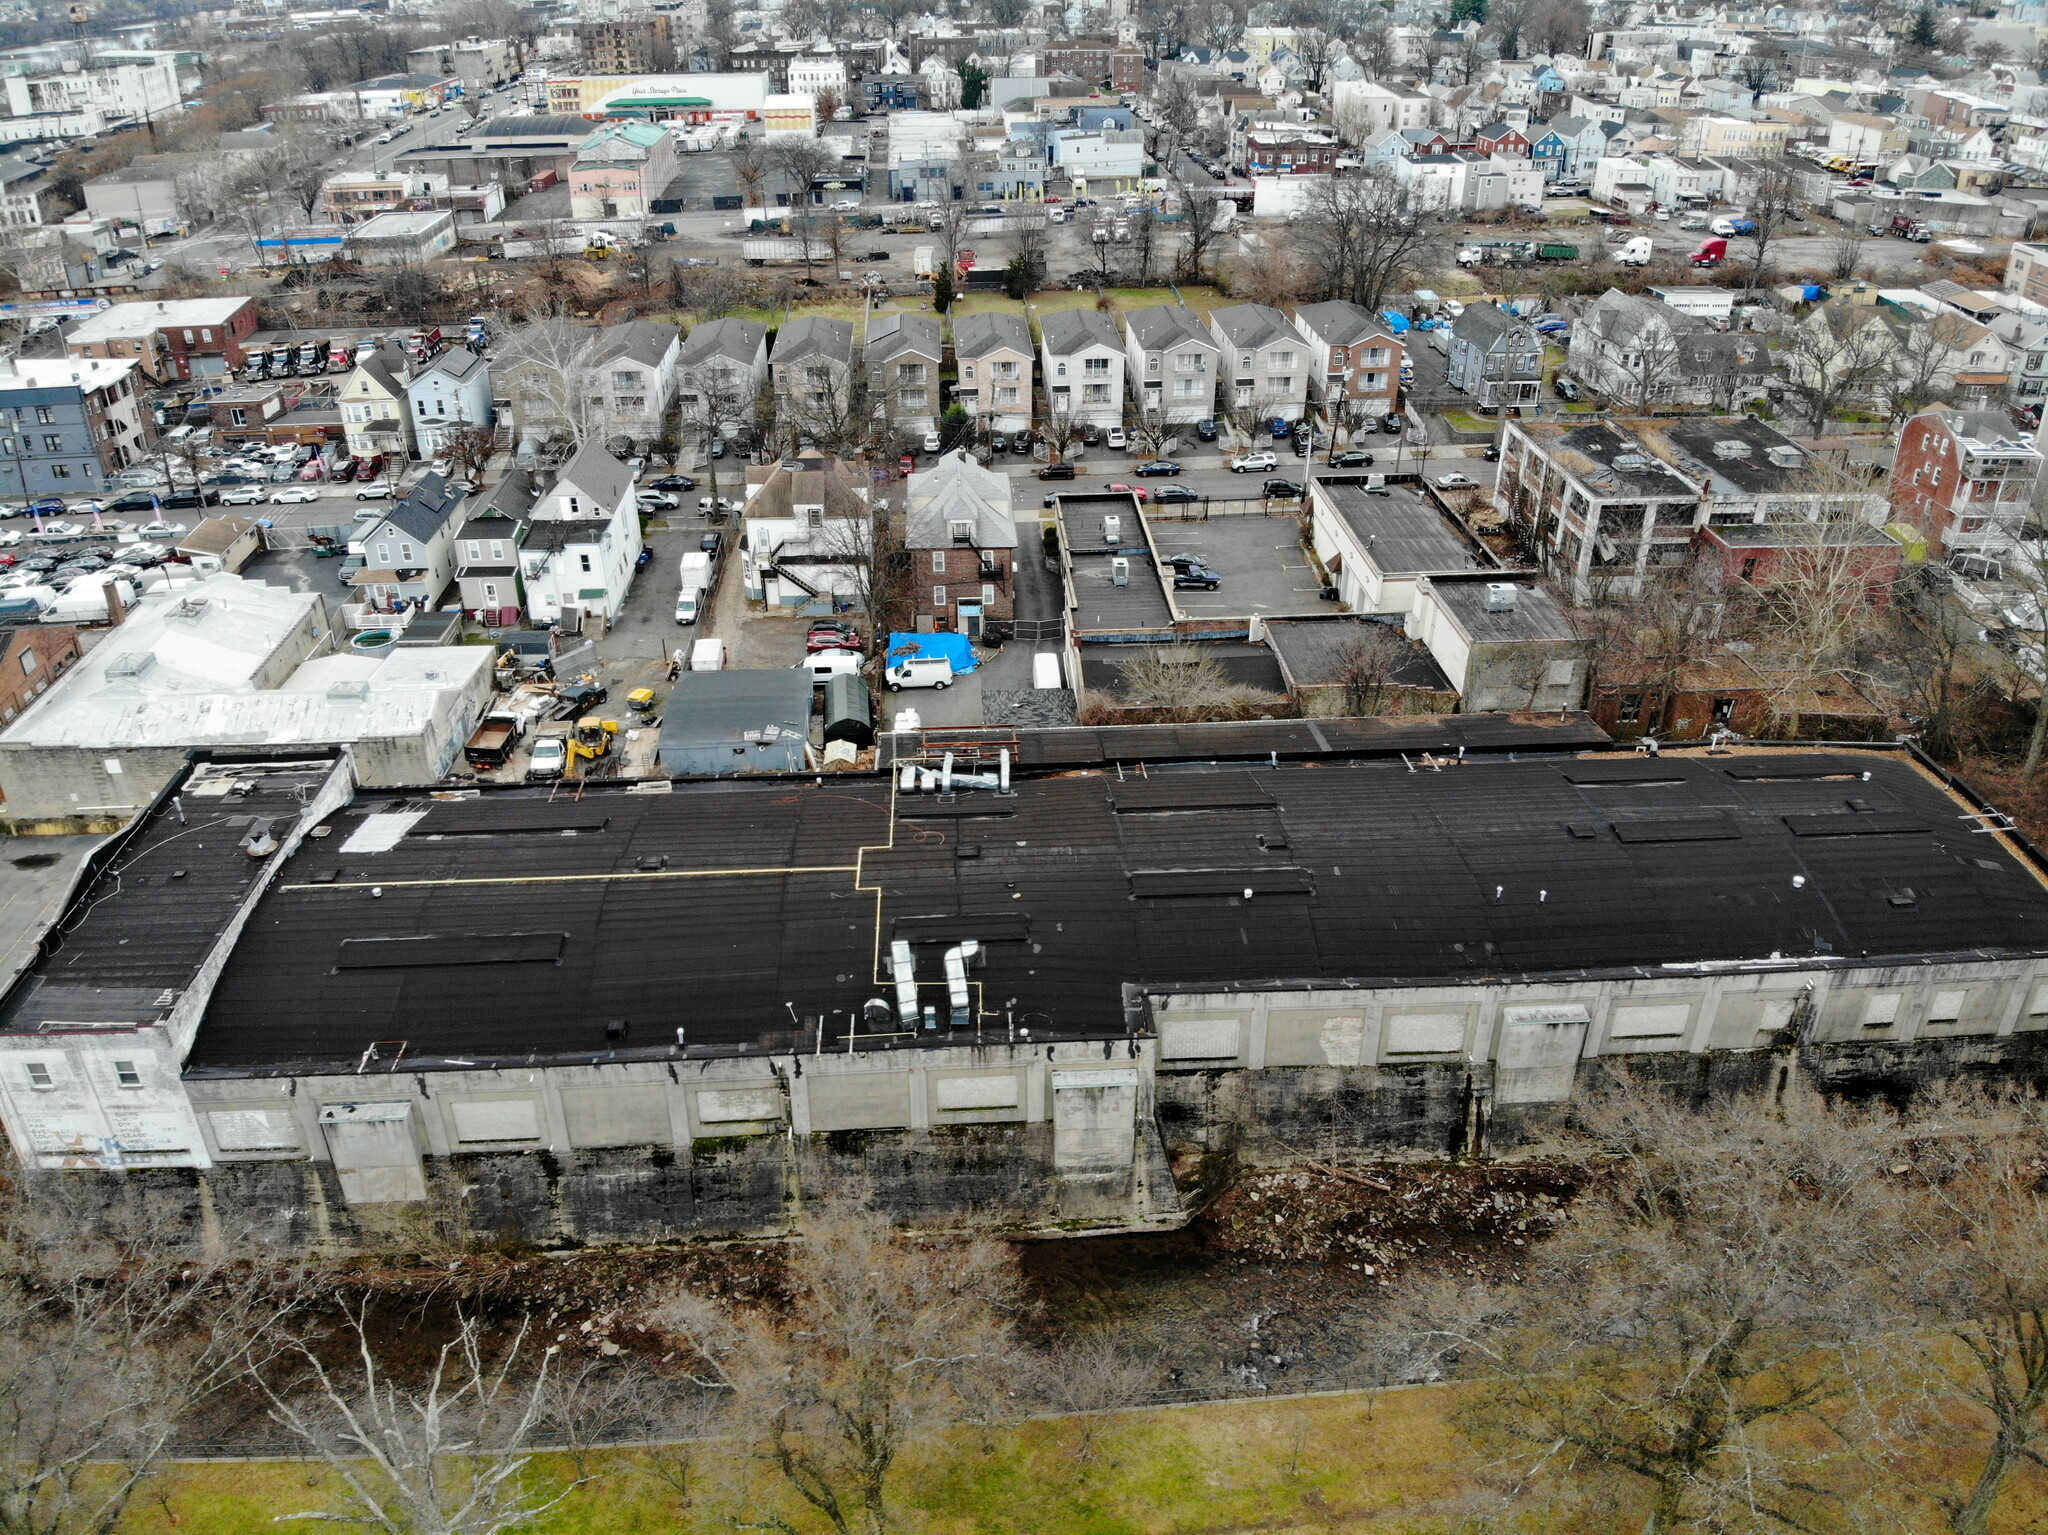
[(1398, 321), (953, 647)]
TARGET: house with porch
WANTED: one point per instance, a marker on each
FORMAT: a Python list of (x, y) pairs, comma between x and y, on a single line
[(376, 416), (1265, 362), (449, 396), (409, 552), (583, 542), (992, 354)]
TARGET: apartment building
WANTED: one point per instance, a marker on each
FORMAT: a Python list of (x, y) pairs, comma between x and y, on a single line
[(1355, 359), (1173, 361), (1963, 478), (992, 356), (67, 425), (1265, 362)]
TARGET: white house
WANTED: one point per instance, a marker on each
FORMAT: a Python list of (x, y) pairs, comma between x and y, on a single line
[(1083, 361), (1172, 361), (1265, 361), (374, 415), (584, 542), (449, 396)]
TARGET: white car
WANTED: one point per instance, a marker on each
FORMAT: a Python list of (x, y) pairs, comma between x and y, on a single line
[(242, 495), (1253, 463), (163, 529), (60, 530), (9, 537), (293, 494), (377, 490), (1117, 438), (722, 504), (933, 442), (1454, 482), (847, 205)]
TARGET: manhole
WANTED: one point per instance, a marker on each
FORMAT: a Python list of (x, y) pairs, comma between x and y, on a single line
[(34, 861)]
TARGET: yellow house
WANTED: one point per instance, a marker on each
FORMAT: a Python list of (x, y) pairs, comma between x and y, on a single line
[(1706, 135), (373, 413)]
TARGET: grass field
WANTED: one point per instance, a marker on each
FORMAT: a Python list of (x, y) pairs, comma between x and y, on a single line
[(1199, 298), (1308, 1462)]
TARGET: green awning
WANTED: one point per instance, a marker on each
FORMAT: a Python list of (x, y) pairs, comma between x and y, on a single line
[(632, 102)]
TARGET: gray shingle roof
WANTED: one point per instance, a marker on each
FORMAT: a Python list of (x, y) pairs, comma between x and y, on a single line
[(1167, 325), (1482, 325), (595, 473), (899, 335), (813, 336), (977, 335), (426, 509), (1252, 326), (1339, 322), (733, 340), (956, 489), (642, 341), (1075, 330)]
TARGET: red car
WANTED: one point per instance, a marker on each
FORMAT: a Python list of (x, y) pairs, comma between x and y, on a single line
[(370, 468), (1142, 492), (831, 636)]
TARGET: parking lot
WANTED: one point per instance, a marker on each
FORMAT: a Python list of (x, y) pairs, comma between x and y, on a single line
[(1259, 559)]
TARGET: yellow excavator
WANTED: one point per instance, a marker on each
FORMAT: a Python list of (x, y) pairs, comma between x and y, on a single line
[(591, 742)]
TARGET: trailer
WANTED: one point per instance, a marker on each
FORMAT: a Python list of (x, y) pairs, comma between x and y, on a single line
[(1509, 253), (780, 250), (1550, 251)]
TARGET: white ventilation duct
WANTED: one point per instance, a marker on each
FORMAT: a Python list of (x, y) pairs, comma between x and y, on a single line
[(958, 958), (904, 967)]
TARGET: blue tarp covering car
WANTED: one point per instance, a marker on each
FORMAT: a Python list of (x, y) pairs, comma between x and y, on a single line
[(954, 647), (1400, 322)]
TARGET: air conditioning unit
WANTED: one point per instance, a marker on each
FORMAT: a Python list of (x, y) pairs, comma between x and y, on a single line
[(1375, 482), (1112, 530), (1500, 596), (1119, 571)]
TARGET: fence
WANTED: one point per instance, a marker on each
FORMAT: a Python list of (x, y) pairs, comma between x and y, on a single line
[(1208, 507)]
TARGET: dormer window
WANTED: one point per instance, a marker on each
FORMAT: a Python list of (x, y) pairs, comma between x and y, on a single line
[(962, 531)]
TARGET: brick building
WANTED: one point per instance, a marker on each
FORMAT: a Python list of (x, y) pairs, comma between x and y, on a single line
[(170, 338), (636, 47), (1766, 553), (962, 543), (1358, 361), (30, 659), (1097, 59), (1282, 151), (1963, 478)]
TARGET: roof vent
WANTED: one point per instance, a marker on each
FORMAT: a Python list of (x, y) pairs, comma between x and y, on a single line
[(345, 690), (1785, 456), (191, 609), (1731, 447), (1500, 596), (131, 665), (1631, 461)]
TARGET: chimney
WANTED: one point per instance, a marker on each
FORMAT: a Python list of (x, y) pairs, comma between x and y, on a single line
[(117, 610)]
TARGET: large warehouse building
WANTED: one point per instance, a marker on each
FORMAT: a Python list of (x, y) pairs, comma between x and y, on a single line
[(650, 1010)]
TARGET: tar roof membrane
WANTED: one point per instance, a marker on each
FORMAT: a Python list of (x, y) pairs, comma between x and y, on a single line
[(724, 909)]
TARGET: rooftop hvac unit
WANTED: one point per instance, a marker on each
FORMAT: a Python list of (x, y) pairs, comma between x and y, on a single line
[(1375, 482), (1119, 571), (1500, 596), (1112, 530), (1731, 447)]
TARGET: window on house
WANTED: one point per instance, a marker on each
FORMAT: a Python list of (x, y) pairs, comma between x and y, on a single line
[(1006, 370), (1006, 396), (575, 506), (497, 549), (1095, 394), (60, 471), (988, 592), (1244, 362), (1152, 363), (46, 415), (625, 378), (52, 443), (125, 1074), (584, 559), (405, 553), (938, 562), (1279, 362), (938, 596), (1095, 367), (1062, 370), (911, 400), (967, 371), (910, 373), (39, 1077), (1282, 387)]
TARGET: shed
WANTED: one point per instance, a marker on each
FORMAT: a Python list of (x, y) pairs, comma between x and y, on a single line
[(849, 712), (742, 721), (221, 543)]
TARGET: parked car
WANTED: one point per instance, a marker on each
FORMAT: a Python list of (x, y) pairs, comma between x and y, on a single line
[(1492, 453), (162, 529), (1195, 577), (1143, 493), (672, 482), (1117, 438), (1057, 470), (294, 494), (1253, 463), (1393, 424), (1283, 490), (918, 672), (846, 205), (244, 495), (1455, 482), (1351, 458), (1206, 429), (1166, 494), (657, 500), (1158, 466), (933, 442), (711, 544), (1281, 426), (381, 491), (190, 499), (831, 634), (549, 759), (722, 504), (824, 665), (1566, 389)]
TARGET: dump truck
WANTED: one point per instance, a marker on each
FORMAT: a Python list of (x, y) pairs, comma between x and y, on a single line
[(1497, 253), (492, 744), (1903, 226), (764, 252)]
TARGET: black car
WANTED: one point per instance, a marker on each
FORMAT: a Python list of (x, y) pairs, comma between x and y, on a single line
[(1351, 458), (1022, 443), (1158, 466), (1283, 490), (134, 501), (875, 256), (574, 702), (1058, 471), (672, 482), (1206, 429), (1300, 442), (1566, 389), (188, 500), (1091, 436), (711, 543), (1393, 424), (1166, 493), (1195, 578), (1492, 453)]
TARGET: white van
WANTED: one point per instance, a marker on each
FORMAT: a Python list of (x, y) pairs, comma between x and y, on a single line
[(707, 656), (1045, 670), (824, 665), (919, 672), (689, 603)]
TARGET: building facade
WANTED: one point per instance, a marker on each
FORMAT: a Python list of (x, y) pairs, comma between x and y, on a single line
[(69, 425), (1964, 479)]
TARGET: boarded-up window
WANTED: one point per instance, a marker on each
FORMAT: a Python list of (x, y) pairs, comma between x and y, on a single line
[(977, 1092), (1659, 1022), (509, 1119), (1881, 1010), (635, 1115), (2038, 1007), (1776, 1014), (1947, 1006), (732, 1105), (254, 1129), (1425, 1033), (1198, 1039)]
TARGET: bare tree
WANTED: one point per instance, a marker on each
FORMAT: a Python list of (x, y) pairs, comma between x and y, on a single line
[(1644, 373), (710, 292), (1560, 26), (556, 376), (1691, 1316), (802, 163), (1508, 22), (1776, 202), (1269, 273), (115, 1332), (885, 1342), (1088, 1379), (452, 1456), (1367, 667), (751, 162), (1845, 253), (1180, 684), (1178, 109), (1362, 233), (1833, 359), (1818, 603)]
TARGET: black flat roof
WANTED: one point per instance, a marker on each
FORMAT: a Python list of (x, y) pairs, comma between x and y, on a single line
[(514, 924), (1403, 532)]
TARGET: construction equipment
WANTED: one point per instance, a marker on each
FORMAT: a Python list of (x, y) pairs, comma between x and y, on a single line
[(641, 700), (592, 741)]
